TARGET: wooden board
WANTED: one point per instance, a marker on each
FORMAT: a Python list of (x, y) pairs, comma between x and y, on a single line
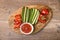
[(38, 26)]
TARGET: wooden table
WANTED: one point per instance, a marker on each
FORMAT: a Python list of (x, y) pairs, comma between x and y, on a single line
[(50, 32)]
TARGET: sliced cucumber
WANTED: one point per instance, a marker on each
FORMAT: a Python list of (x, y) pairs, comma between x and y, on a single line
[(25, 14), (30, 15), (34, 16)]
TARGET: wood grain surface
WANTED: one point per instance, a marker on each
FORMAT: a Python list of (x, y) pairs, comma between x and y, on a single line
[(50, 32)]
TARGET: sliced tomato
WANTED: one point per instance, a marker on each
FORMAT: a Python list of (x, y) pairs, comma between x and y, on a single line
[(16, 26), (42, 18), (18, 16), (44, 11), (17, 21)]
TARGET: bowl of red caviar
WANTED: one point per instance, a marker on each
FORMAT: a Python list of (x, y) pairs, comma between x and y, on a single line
[(26, 28)]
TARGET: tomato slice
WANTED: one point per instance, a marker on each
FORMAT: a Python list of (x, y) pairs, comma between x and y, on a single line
[(18, 16), (42, 18), (45, 11), (16, 26), (17, 21)]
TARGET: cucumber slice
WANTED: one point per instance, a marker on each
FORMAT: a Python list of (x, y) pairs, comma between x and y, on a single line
[(34, 16), (25, 14), (30, 15)]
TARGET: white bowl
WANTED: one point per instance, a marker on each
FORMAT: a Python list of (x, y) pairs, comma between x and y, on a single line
[(24, 32)]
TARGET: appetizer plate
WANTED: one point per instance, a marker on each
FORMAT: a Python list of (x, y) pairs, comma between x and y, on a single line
[(37, 27)]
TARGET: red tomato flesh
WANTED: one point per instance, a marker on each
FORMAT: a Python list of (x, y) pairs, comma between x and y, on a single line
[(17, 21), (42, 18), (44, 11), (16, 26)]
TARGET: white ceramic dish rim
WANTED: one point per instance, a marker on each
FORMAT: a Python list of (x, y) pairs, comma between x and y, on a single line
[(24, 32)]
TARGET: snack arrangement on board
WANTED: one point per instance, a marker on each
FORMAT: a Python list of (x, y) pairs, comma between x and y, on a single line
[(30, 19)]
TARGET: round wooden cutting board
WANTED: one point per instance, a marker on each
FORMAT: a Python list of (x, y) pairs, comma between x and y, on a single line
[(38, 26)]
